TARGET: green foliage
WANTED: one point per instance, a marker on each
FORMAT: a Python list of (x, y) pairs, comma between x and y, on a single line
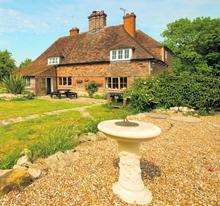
[(91, 126), (10, 159), (28, 95), (91, 88), (196, 45), (25, 63), (14, 84), (2, 89), (7, 64), (60, 139), (167, 90), (98, 96)]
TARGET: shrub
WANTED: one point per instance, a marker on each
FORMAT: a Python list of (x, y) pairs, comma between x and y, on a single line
[(167, 90), (91, 88), (14, 84), (28, 95)]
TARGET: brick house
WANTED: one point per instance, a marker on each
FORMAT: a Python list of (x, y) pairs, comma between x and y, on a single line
[(110, 56)]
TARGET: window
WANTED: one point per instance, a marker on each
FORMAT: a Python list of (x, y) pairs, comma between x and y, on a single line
[(114, 54), (69, 81), (121, 54), (60, 80), (53, 60), (65, 81), (116, 82), (28, 81), (126, 53), (123, 82)]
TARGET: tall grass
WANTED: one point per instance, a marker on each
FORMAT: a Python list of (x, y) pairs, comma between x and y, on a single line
[(9, 160), (61, 139)]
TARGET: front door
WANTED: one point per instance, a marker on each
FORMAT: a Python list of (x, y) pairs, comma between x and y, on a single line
[(49, 85)]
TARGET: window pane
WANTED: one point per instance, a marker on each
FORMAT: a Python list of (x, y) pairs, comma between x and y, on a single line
[(64, 81), (108, 82), (60, 80), (120, 54), (114, 53), (69, 81), (123, 82), (115, 83), (126, 54)]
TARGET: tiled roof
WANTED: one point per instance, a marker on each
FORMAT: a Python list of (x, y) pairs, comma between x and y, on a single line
[(94, 47)]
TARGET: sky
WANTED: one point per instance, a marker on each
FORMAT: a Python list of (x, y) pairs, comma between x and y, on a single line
[(28, 27)]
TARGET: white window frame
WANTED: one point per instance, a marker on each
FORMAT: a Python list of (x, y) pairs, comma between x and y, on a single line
[(53, 60), (118, 87), (120, 54)]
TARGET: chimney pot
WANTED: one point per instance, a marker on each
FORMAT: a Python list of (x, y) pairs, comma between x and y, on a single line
[(130, 23), (74, 31)]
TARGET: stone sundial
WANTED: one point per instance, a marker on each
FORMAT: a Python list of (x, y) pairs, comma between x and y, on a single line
[(129, 135)]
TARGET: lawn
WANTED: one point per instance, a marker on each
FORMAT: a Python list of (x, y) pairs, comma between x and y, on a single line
[(20, 108), (49, 134)]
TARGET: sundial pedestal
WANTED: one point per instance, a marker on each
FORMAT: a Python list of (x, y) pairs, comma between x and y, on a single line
[(130, 187)]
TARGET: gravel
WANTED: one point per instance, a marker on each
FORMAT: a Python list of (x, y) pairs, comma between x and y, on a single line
[(180, 167)]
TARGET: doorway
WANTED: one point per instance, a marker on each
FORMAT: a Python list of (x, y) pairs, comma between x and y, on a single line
[(49, 85)]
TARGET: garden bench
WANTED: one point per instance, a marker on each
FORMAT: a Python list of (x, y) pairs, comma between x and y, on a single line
[(71, 95), (67, 93), (55, 93)]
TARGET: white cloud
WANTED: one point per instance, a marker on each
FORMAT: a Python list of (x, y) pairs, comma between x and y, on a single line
[(13, 21)]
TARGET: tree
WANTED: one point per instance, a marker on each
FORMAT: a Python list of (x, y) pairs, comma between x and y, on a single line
[(195, 43), (25, 63), (7, 64)]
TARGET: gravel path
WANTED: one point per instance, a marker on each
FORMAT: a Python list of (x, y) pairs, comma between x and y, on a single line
[(180, 168)]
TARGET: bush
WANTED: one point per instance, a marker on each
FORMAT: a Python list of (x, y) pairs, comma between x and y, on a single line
[(91, 88), (28, 95), (14, 84), (167, 90)]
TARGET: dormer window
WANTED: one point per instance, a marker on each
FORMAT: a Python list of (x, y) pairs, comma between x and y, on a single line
[(120, 54), (53, 60)]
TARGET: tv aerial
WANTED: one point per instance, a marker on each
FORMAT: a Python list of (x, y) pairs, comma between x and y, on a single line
[(124, 10)]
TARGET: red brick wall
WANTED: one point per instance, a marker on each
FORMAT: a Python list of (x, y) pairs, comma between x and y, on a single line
[(82, 74)]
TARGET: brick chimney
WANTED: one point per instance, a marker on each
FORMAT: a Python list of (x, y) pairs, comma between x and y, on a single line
[(97, 20), (74, 31), (130, 23)]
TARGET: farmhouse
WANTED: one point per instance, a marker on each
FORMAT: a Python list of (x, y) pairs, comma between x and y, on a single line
[(110, 56)]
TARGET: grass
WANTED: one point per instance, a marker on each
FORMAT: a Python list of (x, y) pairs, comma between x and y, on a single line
[(49, 134), (20, 108)]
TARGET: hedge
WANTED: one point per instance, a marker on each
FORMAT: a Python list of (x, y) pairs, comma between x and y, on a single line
[(196, 91)]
